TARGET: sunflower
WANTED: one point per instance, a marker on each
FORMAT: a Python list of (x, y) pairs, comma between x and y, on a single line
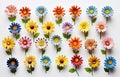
[(31, 27), (8, 43), (84, 26), (94, 62)]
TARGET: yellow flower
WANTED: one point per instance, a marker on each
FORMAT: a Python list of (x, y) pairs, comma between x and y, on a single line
[(48, 27), (30, 61), (62, 61), (8, 43), (31, 27), (94, 62), (84, 26)]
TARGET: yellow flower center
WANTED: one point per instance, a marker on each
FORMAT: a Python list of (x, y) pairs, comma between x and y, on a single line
[(41, 43), (11, 10), (46, 61), (101, 27), (84, 26), (76, 60), (12, 63), (61, 61), (56, 40), (107, 11), (91, 11), (67, 27), (14, 27), (110, 62), (32, 27), (29, 61), (25, 42), (107, 43), (8, 42), (41, 11), (24, 12)]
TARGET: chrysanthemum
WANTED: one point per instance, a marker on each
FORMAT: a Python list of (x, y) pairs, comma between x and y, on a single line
[(67, 27), (101, 27), (45, 61), (11, 10), (41, 11), (91, 11), (107, 42), (56, 40), (94, 62), (107, 11), (84, 26), (110, 62)]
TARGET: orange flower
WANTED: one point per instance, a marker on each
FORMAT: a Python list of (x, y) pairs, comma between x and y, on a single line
[(75, 43), (25, 12), (75, 11), (59, 12)]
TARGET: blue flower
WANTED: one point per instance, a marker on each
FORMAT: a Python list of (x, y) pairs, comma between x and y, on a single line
[(41, 11), (15, 28), (91, 11), (56, 40), (12, 63), (107, 11), (110, 62), (45, 61)]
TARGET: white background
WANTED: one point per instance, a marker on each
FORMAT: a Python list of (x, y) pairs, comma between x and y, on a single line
[(113, 31)]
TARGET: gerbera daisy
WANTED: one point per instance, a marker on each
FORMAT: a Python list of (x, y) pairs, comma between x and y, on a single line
[(107, 11)]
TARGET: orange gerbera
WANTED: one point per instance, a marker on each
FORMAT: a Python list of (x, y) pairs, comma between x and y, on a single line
[(75, 43), (59, 12), (75, 11), (25, 12)]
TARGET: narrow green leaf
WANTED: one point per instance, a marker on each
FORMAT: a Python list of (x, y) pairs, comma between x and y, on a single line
[(43, 52), (46, 35), (9, 52), (36, 35), (17, 36), (41, 20), (73, 19), (12, 18), (59, 49), (64, 35), (94, 20), (103, 52), (72, 70), (106, 69), (89, 70)]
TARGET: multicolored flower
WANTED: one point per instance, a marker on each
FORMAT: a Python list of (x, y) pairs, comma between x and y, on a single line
[(41, 11), (61, 61), (12, 64), (46, 61), (107, 11), (30, 62)]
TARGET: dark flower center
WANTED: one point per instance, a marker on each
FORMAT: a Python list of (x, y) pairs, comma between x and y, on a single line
[(94, 61), (29, 61), (25, 42), (31, 27), (107, 43), (61, 61), (58, 11), (48, 27)]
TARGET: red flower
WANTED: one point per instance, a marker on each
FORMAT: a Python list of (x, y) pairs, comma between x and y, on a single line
[(77, 60), (25, 12)]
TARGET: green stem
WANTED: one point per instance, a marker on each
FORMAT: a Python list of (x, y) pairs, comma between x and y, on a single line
[(76, 71), (92, 71), (90, 52)]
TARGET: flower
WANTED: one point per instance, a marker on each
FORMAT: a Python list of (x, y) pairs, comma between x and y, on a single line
[(94, 62), (107, 11), (41, 11), (91, 11), (75, 11), (56, 40), (75, 43), (110, 62), (84, 26), (45, 61), (25, 12), (31, 27), (8, 43), (90, 44), (11, 10), (107, 42), (15, 28), (76, 60), (101, 27), (59, 12), (67, 27)]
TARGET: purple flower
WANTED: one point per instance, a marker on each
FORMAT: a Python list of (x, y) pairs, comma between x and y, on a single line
[(67, 27)]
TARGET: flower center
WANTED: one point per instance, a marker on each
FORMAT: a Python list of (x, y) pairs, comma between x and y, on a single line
[(56, 40), (101, 27), (76, 60), (29, 61), (12, 63), (61, 61), (31, 27), (94, 61), (24, 12), (107, 43), (25, 42), (67, 27), (110, 62), (14, 27), (41, 11), (48, 27), (41, 43), (75, 43), (8, 42), (91, 11), (84, 26), (46, 61), (107, 11), (59, 12), (90, 44), (11, 10)]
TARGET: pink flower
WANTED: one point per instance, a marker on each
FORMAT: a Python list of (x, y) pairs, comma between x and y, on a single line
[(107, 42), (101, 27), (11, 10), (25, 42)]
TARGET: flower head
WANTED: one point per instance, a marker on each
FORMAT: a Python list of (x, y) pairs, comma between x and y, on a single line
[(30, 61), (75, 43), (90, 44), (94, 62), (62, 60), (12, 63), (45, 61), (67, 27), (84, 26), (15, 28), (75, 11), (48, 27), (77, 60), (107, 11), (25, 12), (56, 40), (41, 11), (101, 27), (107, 42), (8, 43), (31, 27), (91, 11), (25, 42), (110, 62), (11, 10), (59, 12)]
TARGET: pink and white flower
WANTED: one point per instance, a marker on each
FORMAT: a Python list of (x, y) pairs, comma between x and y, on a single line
[(101, 27), (107, 42), (11, 10)]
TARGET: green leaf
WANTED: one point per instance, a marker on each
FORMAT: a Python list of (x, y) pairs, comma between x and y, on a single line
[(89, 70), (36, 35), (73, 19), (17, 36), (47, 69), (60, 68), (29, 71), (46, 35), (59, 21), (59, 49), (67, 36), (106, 69), (9, 52), (86, 34), (72, 70), (43, 52), (32, 69), (94, 20), (41, 20), (103, 52), (75, 51), (13, 71), (26, 50), (25, 20), (12, 18)]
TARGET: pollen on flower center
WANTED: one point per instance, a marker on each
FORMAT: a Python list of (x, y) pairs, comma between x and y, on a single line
[(25, 42), (84, 26), (110, 62), (46, 61), (14, 27), (61, 61), (101, 27), (56, 40), (8, 42), (67, 27), (76, 60), (29, 61), (107, 11), (12, 63), (25, 12), (31, 27), (107, 43), (91, 11), (41, 11), (41, 43)]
